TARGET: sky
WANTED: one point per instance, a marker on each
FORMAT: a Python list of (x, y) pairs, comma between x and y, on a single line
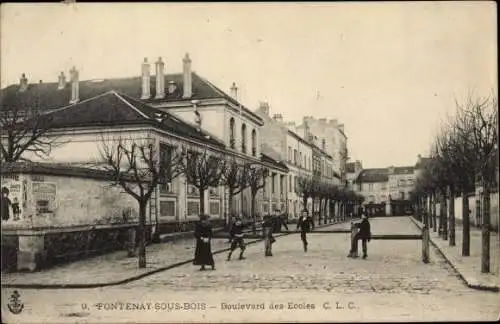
[(389, 71)]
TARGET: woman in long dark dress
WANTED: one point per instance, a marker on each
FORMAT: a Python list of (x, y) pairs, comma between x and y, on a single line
[(203, 253)]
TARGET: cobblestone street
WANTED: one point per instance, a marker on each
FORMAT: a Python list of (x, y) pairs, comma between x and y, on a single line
[(391, 285)]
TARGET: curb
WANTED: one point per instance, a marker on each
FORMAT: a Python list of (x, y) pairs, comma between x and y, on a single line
[(460, 275), (132, 278)]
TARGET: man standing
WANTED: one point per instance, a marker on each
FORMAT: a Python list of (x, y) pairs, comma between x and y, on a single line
[(267, 227), (364, 234), (305, 224), (237, 239)]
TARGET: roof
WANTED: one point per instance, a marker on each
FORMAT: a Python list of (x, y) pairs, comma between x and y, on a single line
[(278, 164), (113, 109), (56, 169), (404, 170), (47, 96), (373, 175)]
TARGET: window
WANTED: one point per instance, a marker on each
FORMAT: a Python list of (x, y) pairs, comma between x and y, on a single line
[(254, 143), (323, 144), (264, 188), (167, 208), (165, 163), (294, 156), (290, 181), (231, 133), (244, 138), (193, 208), (272, 184), (289, 154), (214, 208), (300, 160), (282, 183)]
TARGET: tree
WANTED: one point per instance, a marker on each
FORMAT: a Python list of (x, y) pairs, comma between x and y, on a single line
[(256, 180), (235, 179), (333, 195), (204, 170), (26, 131), (134, 166), (477, 126), (307, 188)]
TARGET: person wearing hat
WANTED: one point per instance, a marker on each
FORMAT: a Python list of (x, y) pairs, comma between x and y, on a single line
[(237, 239), (203, 252), (364, 234), (305, 224), (267, 227)]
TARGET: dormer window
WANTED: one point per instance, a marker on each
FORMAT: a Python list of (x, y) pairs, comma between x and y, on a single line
[(171, 87)]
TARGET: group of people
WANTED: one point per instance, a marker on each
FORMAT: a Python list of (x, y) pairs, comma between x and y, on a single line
[(271, 224), (6, 205)]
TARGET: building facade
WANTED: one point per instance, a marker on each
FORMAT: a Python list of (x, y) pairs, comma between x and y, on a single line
[(164, 109)]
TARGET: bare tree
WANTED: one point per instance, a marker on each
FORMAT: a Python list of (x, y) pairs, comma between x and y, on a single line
[(477, 126), (135, 167), (204, 169), (235, 179), (256, 180), (307, 187), (26, 130)]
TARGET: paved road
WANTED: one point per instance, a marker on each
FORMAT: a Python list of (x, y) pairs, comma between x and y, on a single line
[(320, 285)]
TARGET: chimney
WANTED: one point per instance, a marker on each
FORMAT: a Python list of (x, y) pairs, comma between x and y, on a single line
[(186, 71), (341, 127), (62, 81), (234, 91), (171, 87), (23, 83), (333, 122), (160, 79), (75, 86), (264, 107), (146, 80)]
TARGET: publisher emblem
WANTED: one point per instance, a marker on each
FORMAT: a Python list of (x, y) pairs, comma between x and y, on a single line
[(15, 305)]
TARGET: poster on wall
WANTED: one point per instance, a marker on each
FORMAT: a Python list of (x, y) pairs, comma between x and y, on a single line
[(12, 197), (44, 196)]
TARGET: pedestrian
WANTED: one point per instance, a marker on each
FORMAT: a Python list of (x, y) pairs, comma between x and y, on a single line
[(15, 209), (267, 227), (6, 203), (305, 224), (237, 239), (203, 252), (364, 234), (230, 226)]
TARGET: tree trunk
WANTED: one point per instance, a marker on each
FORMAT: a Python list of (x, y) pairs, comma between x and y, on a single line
[(141, 234), (445, 217), (230, 201), (485, 260), (452, 218), (465, 225), (202, 202), (434, 216), (252, 204)]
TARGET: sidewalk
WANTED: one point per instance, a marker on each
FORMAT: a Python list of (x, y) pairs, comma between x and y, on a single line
[(116, 268), (469, 268)]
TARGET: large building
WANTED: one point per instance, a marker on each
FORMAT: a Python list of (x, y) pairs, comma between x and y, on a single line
[(383, 188), (164, 108), (330, 137), (301, 155)]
